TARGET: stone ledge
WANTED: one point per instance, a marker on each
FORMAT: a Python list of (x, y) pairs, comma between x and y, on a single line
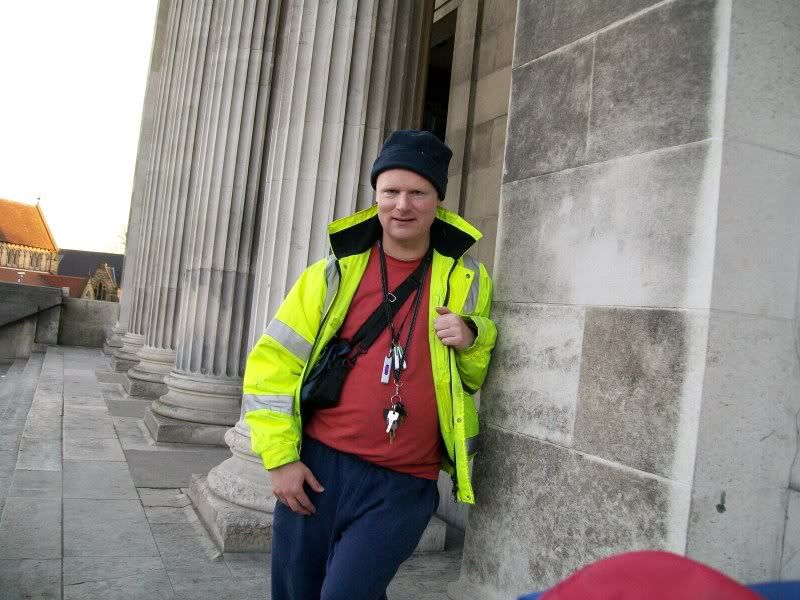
[(164, 429), (235, 528), (143, 388)]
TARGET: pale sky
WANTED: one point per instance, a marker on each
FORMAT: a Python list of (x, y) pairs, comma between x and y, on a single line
[(72, 81)]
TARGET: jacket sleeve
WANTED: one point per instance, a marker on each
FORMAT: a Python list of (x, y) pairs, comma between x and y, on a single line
[(274, 368), (473, 362)]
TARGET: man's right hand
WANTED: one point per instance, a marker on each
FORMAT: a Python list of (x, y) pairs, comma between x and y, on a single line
[(287, 485)]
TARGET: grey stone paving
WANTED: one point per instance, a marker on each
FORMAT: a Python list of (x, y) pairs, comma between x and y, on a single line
[(91, 508)]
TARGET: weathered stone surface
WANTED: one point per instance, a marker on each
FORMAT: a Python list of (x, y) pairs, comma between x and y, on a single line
[(644, 367), (94, 425), (629, 232), (177, 431), (98, 479), (93, 449), (31, 528), (172, 469), (762, 104), (549, 113), (41, 484), (86, 322), (106, 528), (758, 232), (184, 540), (154, 584), (653, 81), (128, 407), (39, 454), (790, 556), (547, 25), (746, 445), (99, 568), (169, 498), (564, 509), (30, 579), (532, 386)]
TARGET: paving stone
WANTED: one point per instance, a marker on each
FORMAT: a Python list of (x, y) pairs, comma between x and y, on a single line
[(421, 577), (10, 436), (223, 589), (167, 514), (183, 540), (174, 468), (98, 479), (44, 484), (31, 528), (188, 570), (153, 585), (128, 407), (248, 565), (90, 569), (89, 426), (106, 528), (93, 449), (30, 579), (43, 424), (163, 497), (39, 454)]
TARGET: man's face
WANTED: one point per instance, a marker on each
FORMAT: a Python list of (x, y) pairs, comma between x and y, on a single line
[(406, 205)]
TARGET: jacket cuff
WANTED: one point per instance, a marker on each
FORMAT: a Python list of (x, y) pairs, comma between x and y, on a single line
[(279, 455), (484, 337)]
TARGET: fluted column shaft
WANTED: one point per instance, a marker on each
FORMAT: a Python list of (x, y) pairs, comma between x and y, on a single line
[(146, 130), (335, 71), (133, 340), (205, 384), (168, 252)]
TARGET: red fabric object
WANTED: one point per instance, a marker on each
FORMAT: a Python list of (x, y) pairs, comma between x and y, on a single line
[(650, 575), (357, 424)]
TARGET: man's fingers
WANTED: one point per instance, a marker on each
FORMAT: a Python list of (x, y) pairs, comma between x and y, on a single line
[(313, 483), (296, 506), (443, 310), (307, 505)]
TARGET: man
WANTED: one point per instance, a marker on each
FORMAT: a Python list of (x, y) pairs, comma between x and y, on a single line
[(356, 483)]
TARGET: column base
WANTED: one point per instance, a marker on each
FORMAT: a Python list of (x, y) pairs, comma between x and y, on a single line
[(239, 529), (165, 429), (146, 379), (234, 528), (126, 357), (114, 341)]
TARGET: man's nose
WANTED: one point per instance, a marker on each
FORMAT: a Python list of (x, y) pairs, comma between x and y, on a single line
[(403, 201)]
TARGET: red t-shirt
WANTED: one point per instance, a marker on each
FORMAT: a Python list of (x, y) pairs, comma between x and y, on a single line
[(357, 425)]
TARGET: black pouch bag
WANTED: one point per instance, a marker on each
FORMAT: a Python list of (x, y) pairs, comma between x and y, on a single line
[(323, 384)]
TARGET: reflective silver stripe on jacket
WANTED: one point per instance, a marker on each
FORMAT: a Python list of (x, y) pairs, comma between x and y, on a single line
[(289, 339), (473, 443), (475, 288), (332, 279), (278, 403)]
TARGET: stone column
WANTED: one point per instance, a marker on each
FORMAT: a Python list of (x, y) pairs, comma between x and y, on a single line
[(644, 391), (134, 231), (169, 248), (333, 101), (126, 356), (204, 387)]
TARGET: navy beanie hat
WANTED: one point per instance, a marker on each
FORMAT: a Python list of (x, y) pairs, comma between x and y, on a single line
[(417, 151)]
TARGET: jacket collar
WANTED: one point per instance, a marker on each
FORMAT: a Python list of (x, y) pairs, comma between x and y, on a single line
[(451, 235)]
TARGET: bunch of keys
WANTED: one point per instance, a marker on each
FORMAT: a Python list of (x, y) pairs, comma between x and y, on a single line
[(394, 416)]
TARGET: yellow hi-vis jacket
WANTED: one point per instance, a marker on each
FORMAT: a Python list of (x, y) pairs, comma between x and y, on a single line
[(314, 310)]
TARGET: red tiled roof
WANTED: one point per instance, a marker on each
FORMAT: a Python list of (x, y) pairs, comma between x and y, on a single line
[(76, 285), (24, 224)]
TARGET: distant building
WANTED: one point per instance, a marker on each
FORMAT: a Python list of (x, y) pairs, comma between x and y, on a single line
[(84, 263), (75, 287), (25, 239), (102, 285)]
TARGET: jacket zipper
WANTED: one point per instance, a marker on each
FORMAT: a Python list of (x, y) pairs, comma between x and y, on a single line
[(454, 476)]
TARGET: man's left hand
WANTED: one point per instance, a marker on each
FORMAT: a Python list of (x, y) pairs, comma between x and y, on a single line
[(452, 330)]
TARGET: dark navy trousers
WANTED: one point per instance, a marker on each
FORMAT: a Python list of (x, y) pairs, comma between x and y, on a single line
[(368, 521)]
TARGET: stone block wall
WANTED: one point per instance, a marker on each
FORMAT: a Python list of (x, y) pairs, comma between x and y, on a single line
[(86, 322), (476, 131), (645, 293)]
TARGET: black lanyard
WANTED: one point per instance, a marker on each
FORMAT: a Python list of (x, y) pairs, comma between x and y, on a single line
[(389, 298)]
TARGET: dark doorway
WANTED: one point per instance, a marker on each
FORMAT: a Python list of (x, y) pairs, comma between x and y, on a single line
[(440, 67)]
